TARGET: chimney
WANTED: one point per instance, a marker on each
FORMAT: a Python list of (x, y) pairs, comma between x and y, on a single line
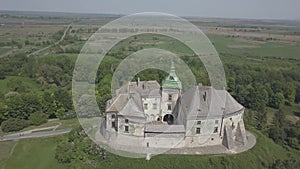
[(138, 81)]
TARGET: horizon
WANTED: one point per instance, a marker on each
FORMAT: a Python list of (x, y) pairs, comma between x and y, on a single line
[(120, 15), (234, 9)]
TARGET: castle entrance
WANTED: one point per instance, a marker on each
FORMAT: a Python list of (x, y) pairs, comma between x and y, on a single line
[(169, 118)]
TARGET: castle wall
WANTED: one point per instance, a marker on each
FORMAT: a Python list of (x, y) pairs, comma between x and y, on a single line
[(110, 120), (131, 126), (151, 107), (165, 101), (210, 130), (232, 122)]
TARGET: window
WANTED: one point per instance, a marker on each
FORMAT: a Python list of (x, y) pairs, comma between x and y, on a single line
[(215, 129), (154, 105), (126, 129), (230, 118), (126, 120), (169, 107), (113, 124), (146, 106), (170, 97), (198, 130), (198, 122), (113, 116), (216, 121)]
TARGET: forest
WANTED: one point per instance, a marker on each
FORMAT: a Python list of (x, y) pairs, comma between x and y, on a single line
[(35, 89)]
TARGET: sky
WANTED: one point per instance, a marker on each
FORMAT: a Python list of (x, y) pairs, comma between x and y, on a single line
[(252, 9)]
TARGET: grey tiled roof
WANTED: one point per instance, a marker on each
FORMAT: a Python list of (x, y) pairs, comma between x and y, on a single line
[(132, 109), (144, 88), (198, 101), (203, 101)]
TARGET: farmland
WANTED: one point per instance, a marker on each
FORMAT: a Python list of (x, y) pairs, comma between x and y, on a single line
[(261, 60)]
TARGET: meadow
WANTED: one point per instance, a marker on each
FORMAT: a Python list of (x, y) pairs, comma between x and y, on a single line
[(275, 56)]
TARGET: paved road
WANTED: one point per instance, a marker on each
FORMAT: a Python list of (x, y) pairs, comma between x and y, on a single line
[(34, 134)]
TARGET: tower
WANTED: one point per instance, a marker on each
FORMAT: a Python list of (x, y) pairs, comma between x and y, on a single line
[(171, 91)]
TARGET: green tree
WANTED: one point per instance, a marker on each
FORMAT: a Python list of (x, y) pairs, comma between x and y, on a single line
[(297, 95), (14, 124), (37, 119), (279, 118), (289, 93), (276, 100)]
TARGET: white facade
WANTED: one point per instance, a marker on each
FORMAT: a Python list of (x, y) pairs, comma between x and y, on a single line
[(202, 115)]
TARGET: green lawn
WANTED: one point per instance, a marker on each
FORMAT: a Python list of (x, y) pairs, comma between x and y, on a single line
[(34, 154), (264, 152), (39, 154), (5, 151)]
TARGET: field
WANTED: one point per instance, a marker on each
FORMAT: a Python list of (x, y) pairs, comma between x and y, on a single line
[(247, 48), (34, 153)]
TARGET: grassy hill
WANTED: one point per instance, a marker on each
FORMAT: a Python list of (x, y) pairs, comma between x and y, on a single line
[(40, 154)]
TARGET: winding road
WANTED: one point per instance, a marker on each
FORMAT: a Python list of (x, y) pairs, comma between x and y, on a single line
[(24, 135)]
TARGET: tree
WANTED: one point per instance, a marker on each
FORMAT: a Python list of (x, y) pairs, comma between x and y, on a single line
[(297, 95), (289, 93), (16, 85), (261, 117), (277, 134), (37, 119), (231, 85), (276, 100), (14, 124), (48, 104), (86, 106), (2, 75), (279, 119), (63, 99)]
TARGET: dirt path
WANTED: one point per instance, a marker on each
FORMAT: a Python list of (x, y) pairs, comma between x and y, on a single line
[(56, 43)]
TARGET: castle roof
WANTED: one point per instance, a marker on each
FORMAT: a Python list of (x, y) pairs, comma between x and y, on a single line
[(143, 88), (132, 109), (206, 101), (172, 81)]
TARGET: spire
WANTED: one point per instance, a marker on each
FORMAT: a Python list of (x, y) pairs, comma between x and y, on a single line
[(172, 81), (172, 70)]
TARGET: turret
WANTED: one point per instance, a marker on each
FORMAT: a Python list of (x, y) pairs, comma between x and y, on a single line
[(171, 91)]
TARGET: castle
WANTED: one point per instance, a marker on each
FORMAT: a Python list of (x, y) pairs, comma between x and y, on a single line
[(149, 115)]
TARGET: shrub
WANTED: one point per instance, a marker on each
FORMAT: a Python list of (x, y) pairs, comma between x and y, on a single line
[(14, 124), (37, 119)]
